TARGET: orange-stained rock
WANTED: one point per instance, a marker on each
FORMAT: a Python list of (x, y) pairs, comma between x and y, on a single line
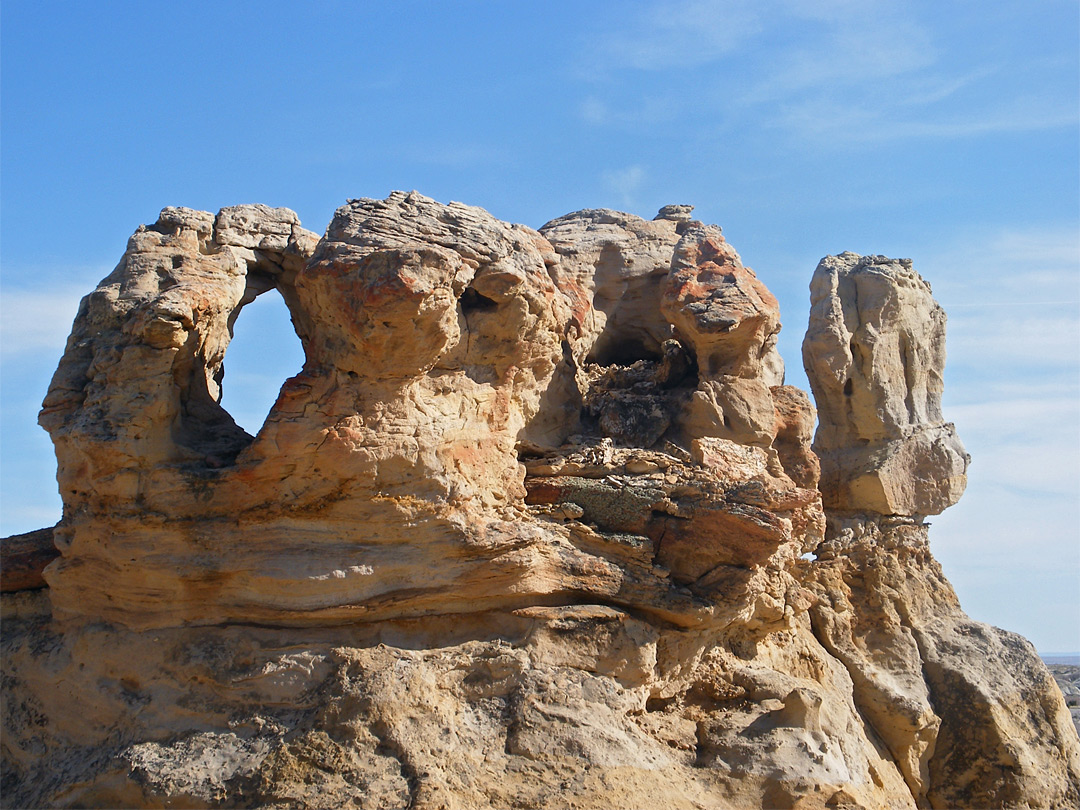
[(795, 418), (722, 309)]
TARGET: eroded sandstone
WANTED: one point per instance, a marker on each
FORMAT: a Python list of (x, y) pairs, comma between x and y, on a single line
[(875, 356), (952, 699), (537, 525)]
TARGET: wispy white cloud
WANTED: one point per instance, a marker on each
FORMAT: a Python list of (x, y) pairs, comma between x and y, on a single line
[(672, 35), (1028, 445), (625, 182), (836, 120), (836, 72), (853, 45), (1034, 336), (1014, 559), (1013, 391), (932, 89), (1019, 267), (636, 113), (1013, 299), (594, 111), (1024, 417), (34, 321)]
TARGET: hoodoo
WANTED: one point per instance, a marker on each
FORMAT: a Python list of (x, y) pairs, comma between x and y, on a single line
[(538, 524)]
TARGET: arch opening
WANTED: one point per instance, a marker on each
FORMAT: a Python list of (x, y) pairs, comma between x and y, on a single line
[(264, 352)]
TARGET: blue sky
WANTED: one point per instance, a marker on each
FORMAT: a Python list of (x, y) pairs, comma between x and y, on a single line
[(946, 132)]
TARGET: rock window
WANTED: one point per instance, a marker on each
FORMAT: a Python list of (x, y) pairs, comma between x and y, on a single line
[(263, 353)]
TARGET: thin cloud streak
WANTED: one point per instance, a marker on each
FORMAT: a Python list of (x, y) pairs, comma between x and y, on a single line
[(935, 89), (677, 35), (1013, 391), (1027, 337), (827, 120), (35, 321), (625, 182), (837, 73)]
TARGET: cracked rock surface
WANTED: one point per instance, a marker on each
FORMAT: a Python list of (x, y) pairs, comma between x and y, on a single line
[(537, 525)]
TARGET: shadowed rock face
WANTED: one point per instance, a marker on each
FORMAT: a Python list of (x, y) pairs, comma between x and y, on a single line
[(531, 528)]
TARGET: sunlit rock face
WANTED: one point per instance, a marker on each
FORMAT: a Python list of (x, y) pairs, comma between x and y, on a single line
[(537, 525), (951, 699), (875, 356)]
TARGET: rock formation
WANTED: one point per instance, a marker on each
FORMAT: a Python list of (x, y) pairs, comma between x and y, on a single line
[(537, 525), (874, 353)]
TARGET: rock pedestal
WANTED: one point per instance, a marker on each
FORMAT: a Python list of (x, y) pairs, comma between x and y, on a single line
[(949, 697)]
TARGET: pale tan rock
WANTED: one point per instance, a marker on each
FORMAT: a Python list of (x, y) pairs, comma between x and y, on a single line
[(875, 355), (576, 705), (139, 385), (256, 226), (619, 262), (732, 407), (649, 282), (676, 213), (952, 699), (431, 333), (924, 473), (795, 419)]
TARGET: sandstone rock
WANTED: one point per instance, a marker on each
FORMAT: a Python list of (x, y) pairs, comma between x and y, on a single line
[(139, 385), (951, 699), (531, 528), (431, 333), (875, 355), (616, 264), (730, 320), (676, 213), (795, 418), (924, 473), (673, 305), (562, 707), (721, 309), (23, 558)]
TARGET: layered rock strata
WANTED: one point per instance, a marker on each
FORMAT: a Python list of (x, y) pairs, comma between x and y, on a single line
[(537, 525)]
